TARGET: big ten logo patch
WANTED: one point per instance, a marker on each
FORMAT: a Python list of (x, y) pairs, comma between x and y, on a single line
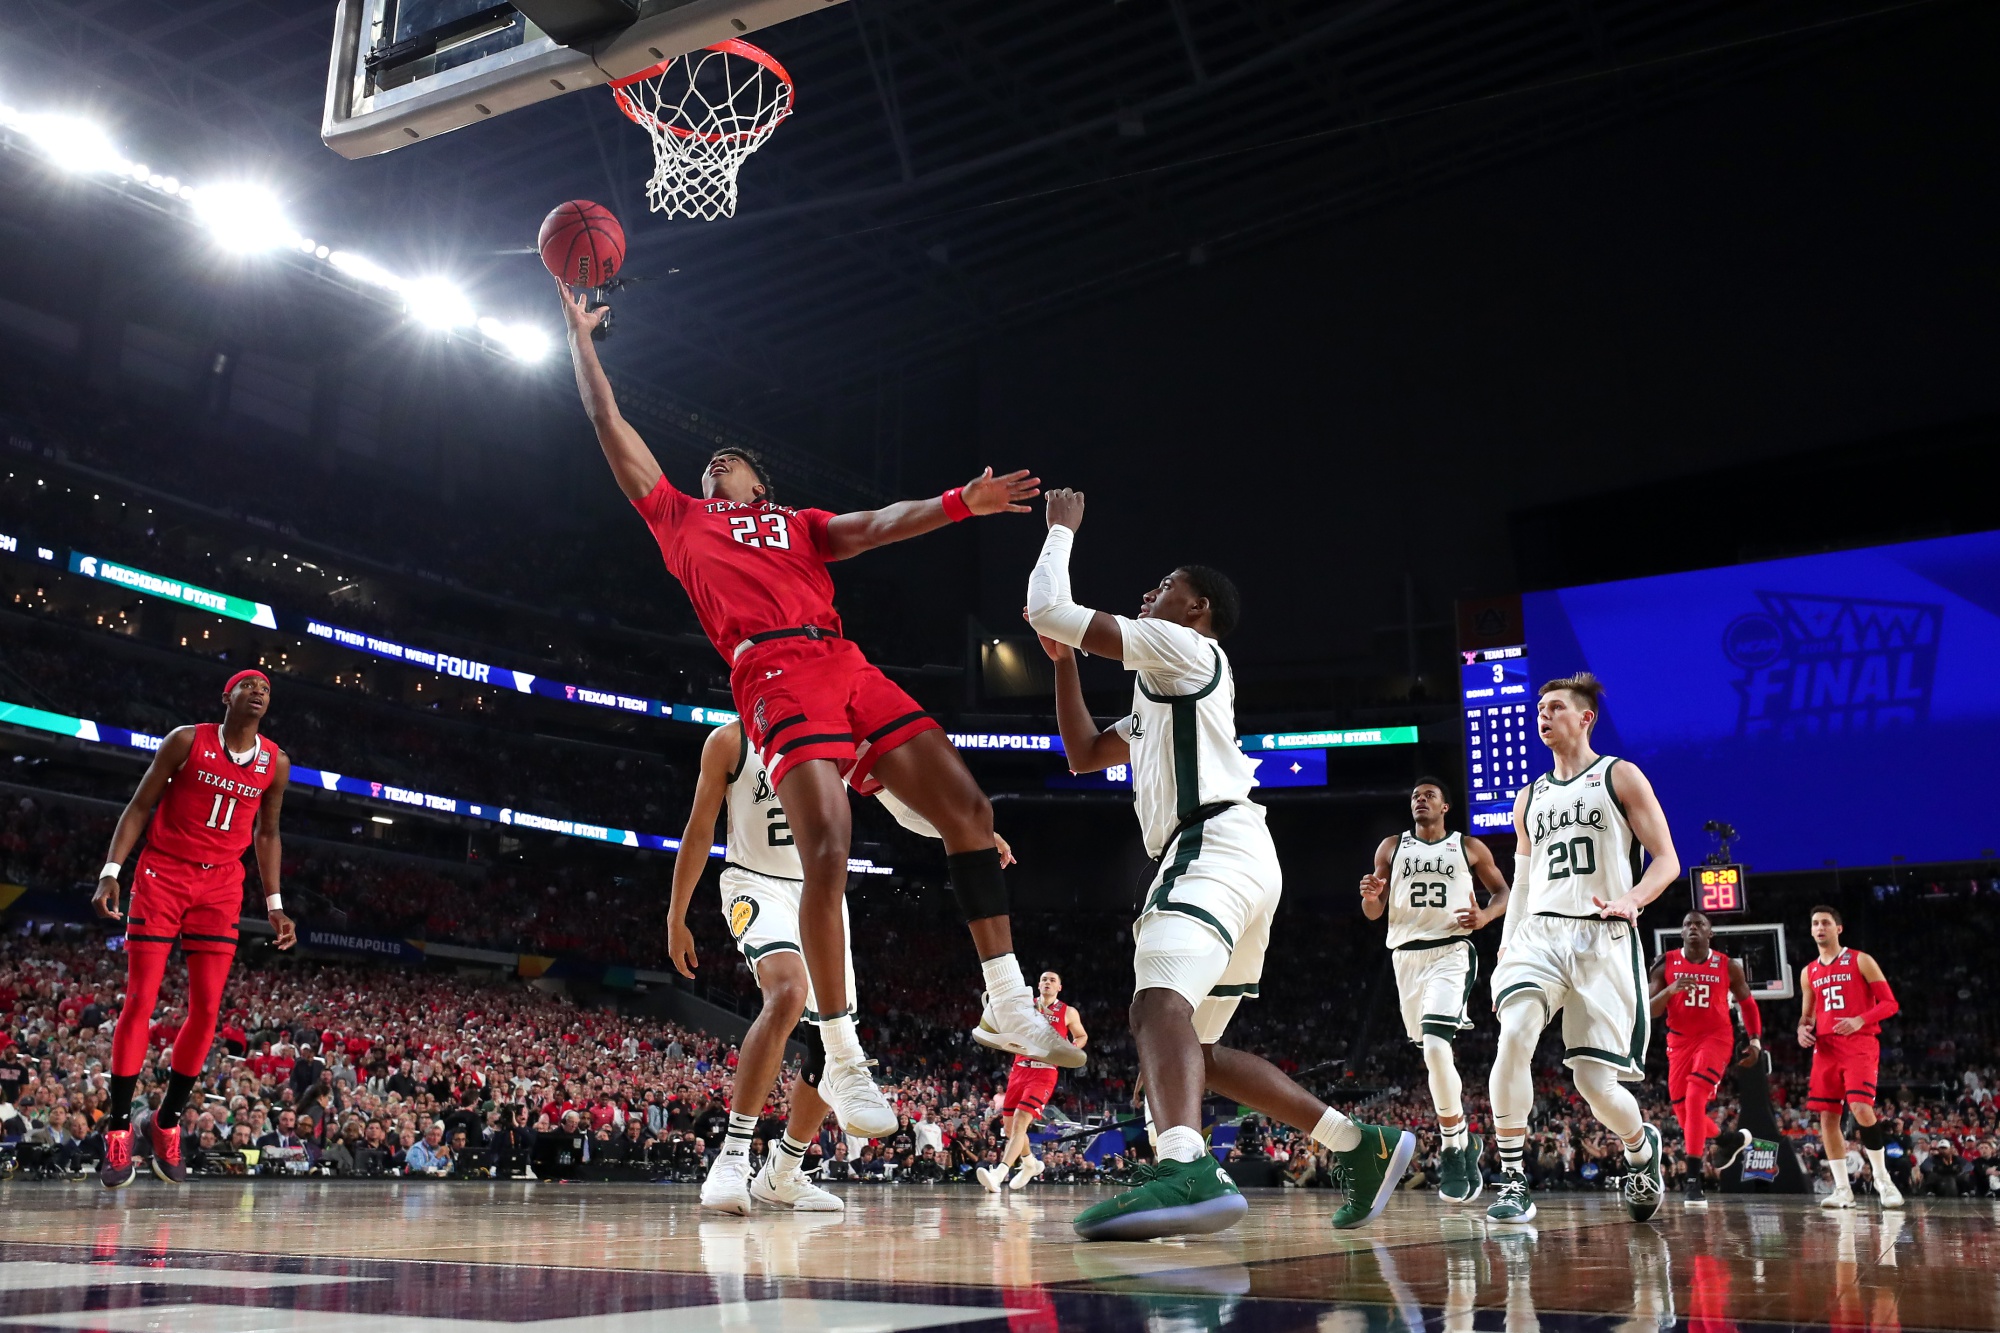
[(1816, 665)]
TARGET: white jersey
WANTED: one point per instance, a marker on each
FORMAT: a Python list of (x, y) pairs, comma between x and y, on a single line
[(1428, 883), (759, 837), (1182, 729), (1582, 846)]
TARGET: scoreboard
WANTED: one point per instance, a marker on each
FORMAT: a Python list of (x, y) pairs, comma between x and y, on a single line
[(1719, 890), (1497, 702)]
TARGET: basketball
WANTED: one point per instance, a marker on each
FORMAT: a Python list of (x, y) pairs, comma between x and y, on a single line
[(582, 244)]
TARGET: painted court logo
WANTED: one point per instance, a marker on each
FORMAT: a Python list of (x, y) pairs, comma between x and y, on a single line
[(1814, 664)]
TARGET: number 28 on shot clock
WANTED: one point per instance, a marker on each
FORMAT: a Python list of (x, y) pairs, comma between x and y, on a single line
[(1718, 890)]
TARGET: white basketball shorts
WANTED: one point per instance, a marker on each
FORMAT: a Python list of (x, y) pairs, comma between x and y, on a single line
[(762, 912), (1594, 972), (1434, 980), (1206, 920)]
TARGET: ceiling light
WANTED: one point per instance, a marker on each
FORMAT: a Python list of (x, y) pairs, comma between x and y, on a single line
[(72, 143), (363, 269), (380, 819), (435, 302), (243, 218), (524, 342)]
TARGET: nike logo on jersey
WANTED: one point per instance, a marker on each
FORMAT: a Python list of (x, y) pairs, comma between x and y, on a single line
[(769, 674)]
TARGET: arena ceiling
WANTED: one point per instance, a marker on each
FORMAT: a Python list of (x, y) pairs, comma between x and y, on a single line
[(956, 167)]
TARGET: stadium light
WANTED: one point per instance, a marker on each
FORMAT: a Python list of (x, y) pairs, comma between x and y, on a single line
[(524, 342), (248, 219), (72, 143), (437, 303), (243, 218)]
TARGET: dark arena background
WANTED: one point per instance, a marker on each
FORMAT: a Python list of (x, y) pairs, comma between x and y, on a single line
[(1480, 343)]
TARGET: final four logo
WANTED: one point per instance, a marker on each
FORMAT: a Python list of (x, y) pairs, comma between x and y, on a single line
[(1815, 664), (742, 911)]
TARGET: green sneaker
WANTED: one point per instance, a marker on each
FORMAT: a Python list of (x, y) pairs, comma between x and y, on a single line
[(1515, 1206), (1370, 1172), (1646, 1186), (1459, 1168), (1170, 1199)]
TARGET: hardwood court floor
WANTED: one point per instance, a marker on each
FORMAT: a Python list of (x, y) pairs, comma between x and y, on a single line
[(426, 1257)]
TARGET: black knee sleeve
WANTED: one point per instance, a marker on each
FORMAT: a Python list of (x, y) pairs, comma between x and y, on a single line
[(978, 884), (815, 1064), (1873, 1136)]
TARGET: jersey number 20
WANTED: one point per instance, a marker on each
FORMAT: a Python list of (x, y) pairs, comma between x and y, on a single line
[(777, 536), (1577, 856)]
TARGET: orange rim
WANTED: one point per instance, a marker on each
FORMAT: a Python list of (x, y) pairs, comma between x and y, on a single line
[(734, 46)]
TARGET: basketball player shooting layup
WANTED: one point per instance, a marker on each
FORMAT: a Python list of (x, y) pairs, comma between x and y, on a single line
[(1206, 920), (1571, 943), (1030, 1084), (1422, 882), (820, 713), (1845, 999), (761, 879), (211, 791), (1692, 986)]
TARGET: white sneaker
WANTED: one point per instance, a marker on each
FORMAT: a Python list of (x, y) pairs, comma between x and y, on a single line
[(857, 1103), (1891, 1196), (1013, 1024), (792, 1190), (990, 1177), (1840, 1198), (727, 1189), (1030, 1167)]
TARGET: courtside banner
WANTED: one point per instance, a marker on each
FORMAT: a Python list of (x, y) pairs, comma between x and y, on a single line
[(1329, 740), (173, 590), (83, 729)]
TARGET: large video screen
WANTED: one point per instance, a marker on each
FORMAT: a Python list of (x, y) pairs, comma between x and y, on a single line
[(1838, 709)]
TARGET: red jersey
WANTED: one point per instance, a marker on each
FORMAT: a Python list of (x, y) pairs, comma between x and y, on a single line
[(1839, 991), (1701, 1012), (209, 812), (1058, 1016), (747, 568)]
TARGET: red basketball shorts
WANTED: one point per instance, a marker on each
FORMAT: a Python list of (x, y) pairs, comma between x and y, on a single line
[(1843, 1070), (1703, 1059), (184, 902), (1029, 1090), (821, 699)]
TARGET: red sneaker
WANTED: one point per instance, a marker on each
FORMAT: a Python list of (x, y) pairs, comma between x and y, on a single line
[(115, 1171), (166, 1149)]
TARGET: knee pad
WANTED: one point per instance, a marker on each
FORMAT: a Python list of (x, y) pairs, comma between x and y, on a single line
[(978, 883), (1437, 1054), (815, 1064), (1615, 1108), (1873, 1137)]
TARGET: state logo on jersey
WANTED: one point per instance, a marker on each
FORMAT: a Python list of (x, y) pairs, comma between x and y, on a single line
[(763, 792), (742, 911)]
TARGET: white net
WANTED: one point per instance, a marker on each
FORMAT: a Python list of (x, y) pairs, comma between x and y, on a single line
[(705, 112)]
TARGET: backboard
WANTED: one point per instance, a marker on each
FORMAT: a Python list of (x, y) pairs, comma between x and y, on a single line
[(1761, 950), (408, 70)]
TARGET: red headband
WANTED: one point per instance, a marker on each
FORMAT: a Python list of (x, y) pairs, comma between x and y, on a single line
[(242, 676)]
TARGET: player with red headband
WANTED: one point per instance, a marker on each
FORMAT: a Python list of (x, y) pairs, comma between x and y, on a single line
[(1845, 997), (1692, 986), (213, 790), (821, 715)]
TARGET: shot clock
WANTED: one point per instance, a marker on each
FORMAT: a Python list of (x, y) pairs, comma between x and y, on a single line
[(1719, 890)]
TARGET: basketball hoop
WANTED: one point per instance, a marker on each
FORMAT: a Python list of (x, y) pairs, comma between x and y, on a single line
[(706, 112)]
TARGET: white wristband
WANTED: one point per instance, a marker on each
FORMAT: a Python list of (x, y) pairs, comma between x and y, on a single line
[(110, 871), (273, 901)]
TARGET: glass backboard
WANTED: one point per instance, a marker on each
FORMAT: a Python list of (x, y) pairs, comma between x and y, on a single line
[(1761, 950)]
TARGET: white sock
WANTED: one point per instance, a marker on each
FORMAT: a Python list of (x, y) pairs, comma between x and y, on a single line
[(788, 1159), (736, 1143), (1003, 977), (1181, 1144), (837, 1035), (1636, 1154), (1880, 1161), (1838, 1166), (1455, 1138), (1336, 1131)]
